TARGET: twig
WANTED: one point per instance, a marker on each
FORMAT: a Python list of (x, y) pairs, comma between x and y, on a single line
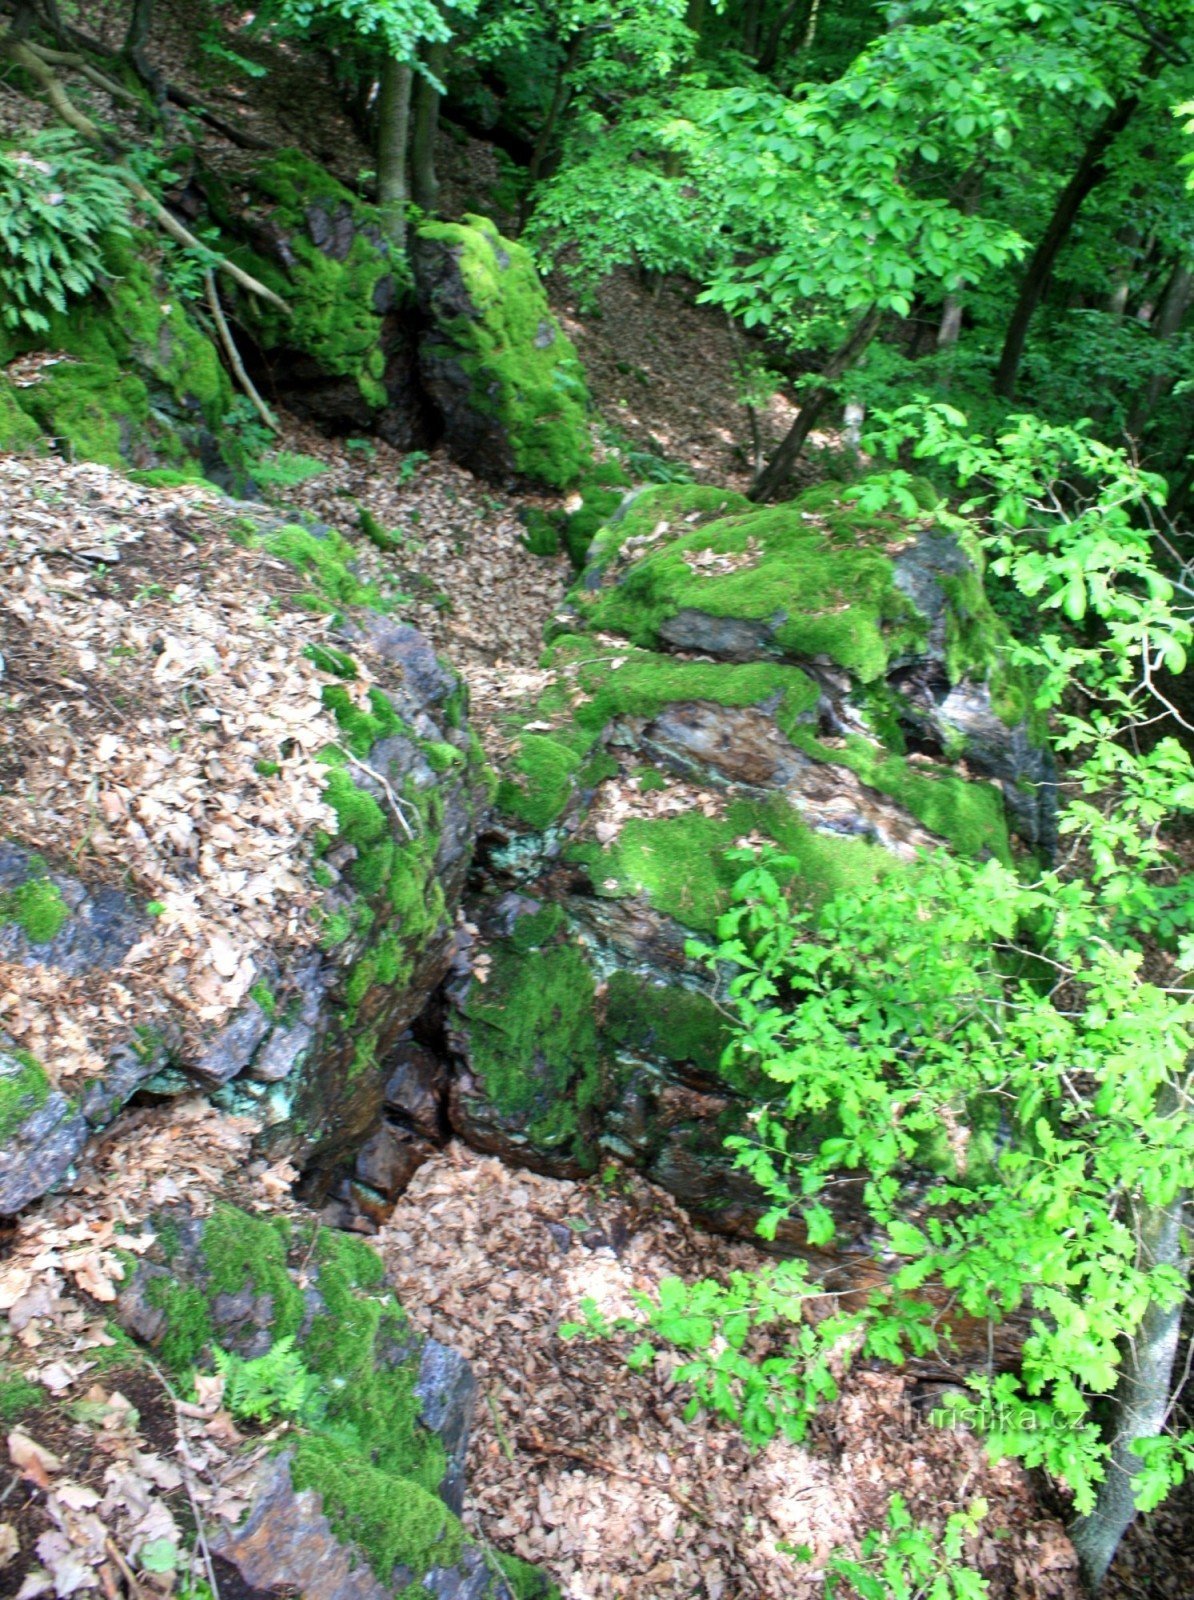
[(578, 1452), (385, 784), (200, 1529), (503, 1437), (233, 354), (126, 1572)]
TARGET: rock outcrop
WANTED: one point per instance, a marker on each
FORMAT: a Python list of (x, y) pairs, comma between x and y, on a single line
[(126, 377), (806, 674), (243, 875), (345, 356), (360, 1499), (502, 374)]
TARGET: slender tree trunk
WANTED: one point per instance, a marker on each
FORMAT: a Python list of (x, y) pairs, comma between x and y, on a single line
[(1117, 300), (751, 18), (424, 127), (1089, 171), (393, 128), (769, 54), (694, 15), (1179, 291), (1141, 1402), (951, 322), (559, 104), (775, 473), (810, 27)]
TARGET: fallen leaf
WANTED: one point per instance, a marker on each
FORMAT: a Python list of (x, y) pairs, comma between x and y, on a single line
[(10, 1544), (33, 1460)]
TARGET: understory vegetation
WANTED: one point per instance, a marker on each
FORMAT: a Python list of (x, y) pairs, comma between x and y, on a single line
[(954, 241)]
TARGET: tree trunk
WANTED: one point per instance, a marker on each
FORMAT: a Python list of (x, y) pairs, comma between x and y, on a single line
[(778, 468), (751, 17), (1089, 172), (559, 104), (951, 322), (769, 54), (1141, 1403), (424, 127), (393, 127), (1179, 291)]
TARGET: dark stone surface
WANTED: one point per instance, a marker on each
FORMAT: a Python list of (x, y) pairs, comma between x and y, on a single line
[(103, 925), (447, 1391)]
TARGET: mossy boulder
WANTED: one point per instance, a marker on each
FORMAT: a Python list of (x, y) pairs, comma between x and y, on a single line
[(344, 356), (127, 377), (359, 1495), (832, 682), (503, 375)]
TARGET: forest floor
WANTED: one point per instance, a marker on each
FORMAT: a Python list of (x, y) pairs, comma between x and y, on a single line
[(577, 1462)]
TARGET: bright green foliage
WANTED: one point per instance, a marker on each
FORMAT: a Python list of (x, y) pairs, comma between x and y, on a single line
[(36, 906), (1013, 1142), (906, 1560), (521, 366), (58, 207), (277, 1384), (24, 1089)]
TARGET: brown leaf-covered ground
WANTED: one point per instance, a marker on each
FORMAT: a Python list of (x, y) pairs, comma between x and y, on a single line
[(591, 1469)]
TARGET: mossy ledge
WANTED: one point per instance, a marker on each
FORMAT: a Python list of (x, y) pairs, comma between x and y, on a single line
[(242, 1282)]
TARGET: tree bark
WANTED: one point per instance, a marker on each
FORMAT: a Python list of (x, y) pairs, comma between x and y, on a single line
[(769, 54), (1141, 1403), (424, 127), (847, 353), (1179, 291), (393, 129), (1089, 172)]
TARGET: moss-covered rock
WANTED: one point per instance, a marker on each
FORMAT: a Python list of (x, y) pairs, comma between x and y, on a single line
[(807, 675), (360, 1492), (504, 376), (126, 377), (344, 355)]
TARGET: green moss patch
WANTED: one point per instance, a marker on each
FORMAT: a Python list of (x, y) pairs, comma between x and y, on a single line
[(678, 863), (24, 1089), (36, 906), (522, 368), (534, 1043), (335, 317), (815, 572), (18, 1396), (596, 686), (138, 376)]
